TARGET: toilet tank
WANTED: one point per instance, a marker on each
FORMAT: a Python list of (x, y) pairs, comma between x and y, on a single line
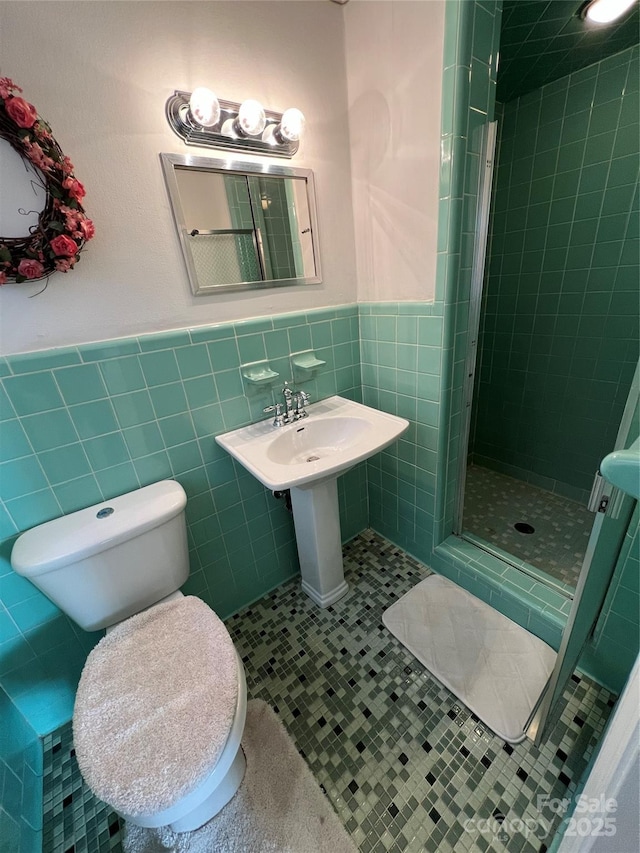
[(109, 561)]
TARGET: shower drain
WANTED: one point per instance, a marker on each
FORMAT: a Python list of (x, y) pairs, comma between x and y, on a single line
[(523, 527), (312, 458)]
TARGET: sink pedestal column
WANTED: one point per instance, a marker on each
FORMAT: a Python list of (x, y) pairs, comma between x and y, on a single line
[(317, 523)]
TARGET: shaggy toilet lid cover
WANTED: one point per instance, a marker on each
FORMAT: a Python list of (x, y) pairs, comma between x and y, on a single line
[(155, 705)]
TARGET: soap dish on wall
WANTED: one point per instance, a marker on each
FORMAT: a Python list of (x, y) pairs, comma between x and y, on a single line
[(259, 373), (305, 365)]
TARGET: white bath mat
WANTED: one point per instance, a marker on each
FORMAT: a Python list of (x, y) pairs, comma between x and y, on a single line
[(495, 667), (278, 808)]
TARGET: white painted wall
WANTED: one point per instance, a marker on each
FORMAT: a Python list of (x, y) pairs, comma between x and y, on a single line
[(100, 73), (394, 74)]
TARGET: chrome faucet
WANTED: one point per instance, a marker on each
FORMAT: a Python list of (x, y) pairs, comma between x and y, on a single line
[(301, 400), (291, 409)]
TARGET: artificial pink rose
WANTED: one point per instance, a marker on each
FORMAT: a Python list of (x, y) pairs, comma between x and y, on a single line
[(22, 112), (87, 229), (74, 188), (30, 268), (3, 278), (71, 218), (42, 131), (65, 246), (7, 86), (66, 166), (64, 264), (38, 157)]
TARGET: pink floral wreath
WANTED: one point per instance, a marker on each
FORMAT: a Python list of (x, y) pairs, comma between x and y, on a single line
[(55, 243)]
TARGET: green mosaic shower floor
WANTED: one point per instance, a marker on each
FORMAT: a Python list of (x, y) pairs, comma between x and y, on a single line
[(494, 502), (405, 765)]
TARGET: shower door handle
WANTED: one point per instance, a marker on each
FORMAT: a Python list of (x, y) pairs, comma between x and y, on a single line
[(599, 499)]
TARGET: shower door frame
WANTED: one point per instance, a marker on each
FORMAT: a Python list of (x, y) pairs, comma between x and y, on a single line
[(483, 212)]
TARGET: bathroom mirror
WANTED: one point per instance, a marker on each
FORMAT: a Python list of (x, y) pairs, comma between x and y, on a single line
[(243, 225)]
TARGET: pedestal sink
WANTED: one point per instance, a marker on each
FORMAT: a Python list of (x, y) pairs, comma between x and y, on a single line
[(307, 457)]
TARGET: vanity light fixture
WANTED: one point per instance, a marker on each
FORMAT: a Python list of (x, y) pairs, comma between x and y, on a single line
[(200, 118), (605, 11)]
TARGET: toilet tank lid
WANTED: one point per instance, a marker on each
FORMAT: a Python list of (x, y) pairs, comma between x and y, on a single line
[(89, 531)]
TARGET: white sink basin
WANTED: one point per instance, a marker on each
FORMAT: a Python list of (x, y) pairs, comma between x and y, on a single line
[(337, 434)]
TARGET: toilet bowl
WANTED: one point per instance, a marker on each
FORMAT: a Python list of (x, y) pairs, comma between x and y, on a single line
[(161, 704)]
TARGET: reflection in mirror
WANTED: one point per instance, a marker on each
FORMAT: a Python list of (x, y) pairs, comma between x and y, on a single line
[(243, 225)]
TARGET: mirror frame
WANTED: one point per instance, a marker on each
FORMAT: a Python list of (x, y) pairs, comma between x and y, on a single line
[(236, 167)]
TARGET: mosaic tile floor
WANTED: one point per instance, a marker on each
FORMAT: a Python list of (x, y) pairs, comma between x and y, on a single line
[(406, 767), (494, 503)]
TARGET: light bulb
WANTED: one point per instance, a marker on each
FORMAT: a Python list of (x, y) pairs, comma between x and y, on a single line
[(204, 107), (291, 125), (251, 118), (606, 11)]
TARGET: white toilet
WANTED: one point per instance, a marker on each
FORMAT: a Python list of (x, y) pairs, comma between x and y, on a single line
[(161, 704)]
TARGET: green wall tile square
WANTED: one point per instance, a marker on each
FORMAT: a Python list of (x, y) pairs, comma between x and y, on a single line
[(13, 441), (159, 368), (106, 451), (78, 494), (200, 391), (184, 457), (251, 348), (152, 468), (118, 479), (33, 509), (224, 354), (236, 413), (122, 375), (92, 419), (177, 429), (229, 384), (21, 477), (143, 439), (133, 408), (208, 420), (7, 527), (80, 384), (168, 399), (35, 392), (6, 409), (193, 361), (50, 429), (64, 463)]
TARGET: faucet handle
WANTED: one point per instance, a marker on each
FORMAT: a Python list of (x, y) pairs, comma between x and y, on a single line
[(277, 408), (304, 397)]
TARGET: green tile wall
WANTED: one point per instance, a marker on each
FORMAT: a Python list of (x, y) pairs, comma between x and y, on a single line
[(85, 424), (401, 354), (472, 32), (559, 341), (20, 781)]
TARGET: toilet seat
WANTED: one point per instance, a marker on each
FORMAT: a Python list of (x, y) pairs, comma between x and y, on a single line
[(157, 703)]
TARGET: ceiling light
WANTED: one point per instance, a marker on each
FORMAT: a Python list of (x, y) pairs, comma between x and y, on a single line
[(605, 11)]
